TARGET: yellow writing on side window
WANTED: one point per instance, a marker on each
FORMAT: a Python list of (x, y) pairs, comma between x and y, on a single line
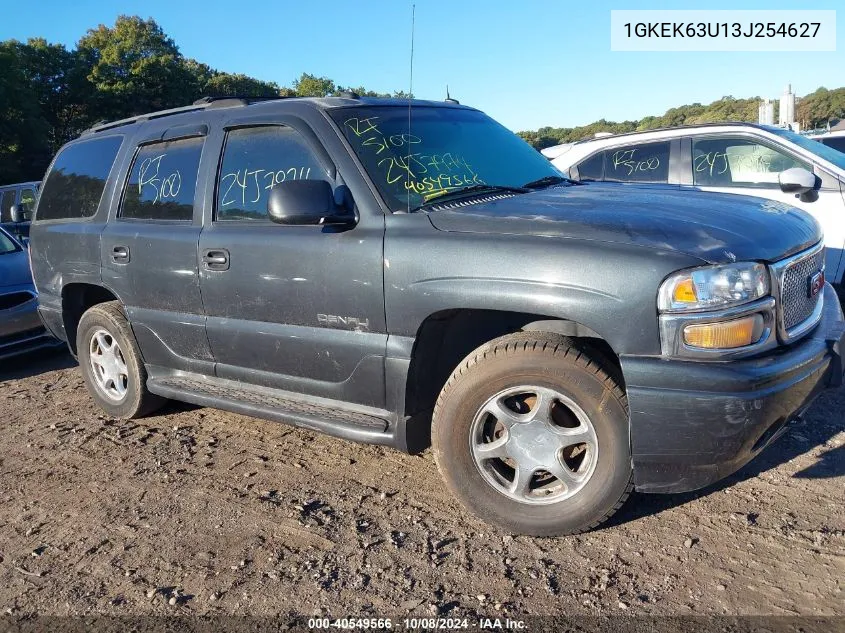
[(246, 186)]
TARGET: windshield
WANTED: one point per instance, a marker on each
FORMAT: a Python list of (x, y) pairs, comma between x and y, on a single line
[(7, 244), (811, 145), (446, 150)]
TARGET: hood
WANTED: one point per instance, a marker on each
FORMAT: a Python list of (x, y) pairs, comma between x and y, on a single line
[(14, 269), (716, 228)]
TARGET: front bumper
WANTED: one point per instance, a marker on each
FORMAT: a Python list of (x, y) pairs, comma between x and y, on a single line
[(21, 330), (694, 423)]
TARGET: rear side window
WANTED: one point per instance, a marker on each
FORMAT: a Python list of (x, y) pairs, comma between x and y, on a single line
[(592, 168), (645, 162), (6, 202), (254, 161), (162, 181), (75, 184)]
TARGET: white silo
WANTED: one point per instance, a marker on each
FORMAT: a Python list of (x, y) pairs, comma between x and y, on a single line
[(787, 107), (766, 112)]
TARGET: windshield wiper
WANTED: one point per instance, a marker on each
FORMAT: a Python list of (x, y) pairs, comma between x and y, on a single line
[(548, 181), (459, 193)]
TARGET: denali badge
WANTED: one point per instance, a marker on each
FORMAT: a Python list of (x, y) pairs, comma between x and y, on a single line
[(343, 322), (816, 284)]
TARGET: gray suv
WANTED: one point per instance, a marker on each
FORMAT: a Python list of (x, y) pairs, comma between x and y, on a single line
[(408, 274)]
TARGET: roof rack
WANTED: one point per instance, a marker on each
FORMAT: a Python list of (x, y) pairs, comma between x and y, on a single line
[(207, 101), (100, 127), (203, 103), (226, 101)]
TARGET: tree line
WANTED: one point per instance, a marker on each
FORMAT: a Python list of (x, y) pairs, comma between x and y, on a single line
[(49, 93), (812, 111)]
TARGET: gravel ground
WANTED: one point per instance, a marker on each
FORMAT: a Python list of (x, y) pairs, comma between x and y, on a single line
[(200, 512)]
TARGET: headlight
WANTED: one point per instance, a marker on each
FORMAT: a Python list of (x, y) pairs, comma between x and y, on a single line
[(713, 287)]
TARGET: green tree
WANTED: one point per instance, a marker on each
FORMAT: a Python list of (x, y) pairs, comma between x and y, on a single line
[(817, 109), (312, 86), (136, 68), (24, 131), (225, 84)]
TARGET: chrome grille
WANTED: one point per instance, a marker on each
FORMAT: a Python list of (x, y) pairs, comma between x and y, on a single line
[(796, 303)]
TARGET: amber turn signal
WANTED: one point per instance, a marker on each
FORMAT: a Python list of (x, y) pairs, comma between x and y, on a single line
[(726, 334), (684, 292)]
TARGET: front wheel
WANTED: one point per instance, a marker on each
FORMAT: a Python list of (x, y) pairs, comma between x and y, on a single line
[(531, 434)]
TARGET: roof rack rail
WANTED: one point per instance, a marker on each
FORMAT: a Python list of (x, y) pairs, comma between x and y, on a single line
[(230, 100), (100, 127), (200, 104), (217, 100)]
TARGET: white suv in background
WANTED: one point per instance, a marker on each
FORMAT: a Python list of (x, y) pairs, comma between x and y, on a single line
[(739, 158)]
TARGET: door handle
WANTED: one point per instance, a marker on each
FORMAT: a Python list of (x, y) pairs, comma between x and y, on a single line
[(120, 254), (215, 259)]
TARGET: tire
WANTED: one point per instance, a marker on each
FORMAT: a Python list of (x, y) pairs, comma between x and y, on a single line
[(118, 380), (470, 423)]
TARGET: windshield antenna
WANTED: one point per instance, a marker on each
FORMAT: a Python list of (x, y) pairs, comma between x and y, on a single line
[(410, 96)]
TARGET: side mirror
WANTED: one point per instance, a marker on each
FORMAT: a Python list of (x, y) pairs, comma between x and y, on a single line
[(18, 214), (796, 180), (305, 202)]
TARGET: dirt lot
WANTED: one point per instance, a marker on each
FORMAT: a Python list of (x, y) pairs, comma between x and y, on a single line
[(197, 511)]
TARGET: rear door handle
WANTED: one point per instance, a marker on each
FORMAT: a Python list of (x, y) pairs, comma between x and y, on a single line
[(120, 254), (215, 259)]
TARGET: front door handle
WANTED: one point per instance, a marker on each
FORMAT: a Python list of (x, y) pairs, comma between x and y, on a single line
[(215, 259), (120, 254)]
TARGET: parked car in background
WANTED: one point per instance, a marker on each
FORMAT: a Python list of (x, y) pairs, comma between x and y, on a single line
[(16, 204), (21, 329), (315, 262), (836, 140), (738, 158)]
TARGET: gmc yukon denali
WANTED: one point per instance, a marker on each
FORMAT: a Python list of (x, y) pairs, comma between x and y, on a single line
[(412, 274)]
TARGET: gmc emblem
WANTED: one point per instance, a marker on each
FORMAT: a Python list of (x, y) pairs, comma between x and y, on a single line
[(816, 284)]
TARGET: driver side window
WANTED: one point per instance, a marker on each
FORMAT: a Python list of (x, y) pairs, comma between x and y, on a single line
[(256, 159), (735, 162)]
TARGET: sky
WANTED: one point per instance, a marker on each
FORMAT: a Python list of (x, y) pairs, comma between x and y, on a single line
[(527, 63)]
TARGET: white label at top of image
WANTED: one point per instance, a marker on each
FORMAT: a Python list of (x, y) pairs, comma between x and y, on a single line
[(761, 30)]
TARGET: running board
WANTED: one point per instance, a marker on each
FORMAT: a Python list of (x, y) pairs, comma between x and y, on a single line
[(316, 414)]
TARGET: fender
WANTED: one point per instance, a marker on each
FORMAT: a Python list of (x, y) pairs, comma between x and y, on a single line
[(610, 288)]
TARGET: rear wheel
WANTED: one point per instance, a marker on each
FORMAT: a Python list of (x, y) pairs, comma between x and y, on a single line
[(111, 363), (531, 434)]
